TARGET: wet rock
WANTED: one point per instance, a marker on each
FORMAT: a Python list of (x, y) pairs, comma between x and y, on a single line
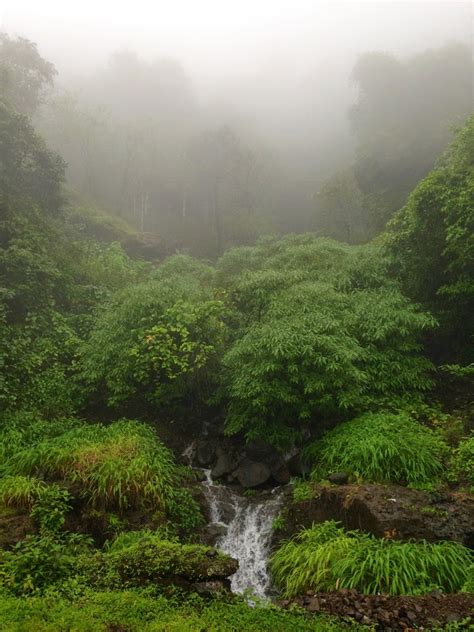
[(216, 529), (211, 588), (252, 474), (281, 474), (226, 463), (205, 453), (339, 478)]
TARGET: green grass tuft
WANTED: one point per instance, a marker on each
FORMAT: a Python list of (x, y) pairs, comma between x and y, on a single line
[(381, 447), (326, 557)]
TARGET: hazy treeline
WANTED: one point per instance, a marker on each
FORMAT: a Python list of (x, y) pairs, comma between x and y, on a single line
[(206, 175)]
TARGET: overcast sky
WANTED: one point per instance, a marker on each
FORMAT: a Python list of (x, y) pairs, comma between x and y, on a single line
[(212, 36)]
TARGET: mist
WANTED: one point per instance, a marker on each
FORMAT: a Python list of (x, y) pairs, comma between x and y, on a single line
[(150, 95)]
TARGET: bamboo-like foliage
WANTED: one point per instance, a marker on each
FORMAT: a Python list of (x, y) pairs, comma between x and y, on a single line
[(326, 557), (381, 447)]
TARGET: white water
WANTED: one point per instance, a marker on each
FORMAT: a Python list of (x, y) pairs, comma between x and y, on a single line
[(249, 532)]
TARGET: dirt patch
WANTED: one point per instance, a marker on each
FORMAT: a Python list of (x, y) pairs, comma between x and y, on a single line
[(392, 614)]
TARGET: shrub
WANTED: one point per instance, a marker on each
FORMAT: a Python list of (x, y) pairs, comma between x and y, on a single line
[(325, 557), (122, 465), (41, 561), (155, 342), (325, 334), (380, 447)]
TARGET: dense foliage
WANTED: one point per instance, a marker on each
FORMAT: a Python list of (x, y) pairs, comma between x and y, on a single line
[(325, 334), (294, 338), (439, 271), (325, 557)]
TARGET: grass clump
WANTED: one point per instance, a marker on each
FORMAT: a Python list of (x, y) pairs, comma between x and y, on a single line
[(381, 447), (20, 491), (121, 466), (325, 557)]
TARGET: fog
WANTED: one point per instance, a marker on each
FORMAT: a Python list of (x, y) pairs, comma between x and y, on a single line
[(150, 95)]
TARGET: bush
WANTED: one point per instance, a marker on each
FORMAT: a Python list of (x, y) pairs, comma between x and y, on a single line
[(41, 561), (122, 465), (156, 342), (326, 558), (380, 447), (324, 334)]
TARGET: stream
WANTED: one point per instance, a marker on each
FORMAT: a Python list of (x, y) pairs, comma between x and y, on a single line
[(246, 526)]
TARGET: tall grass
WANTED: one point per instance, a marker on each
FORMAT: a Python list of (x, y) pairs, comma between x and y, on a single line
[(326, 557), (381, 447), (20, 491), (122, 465)]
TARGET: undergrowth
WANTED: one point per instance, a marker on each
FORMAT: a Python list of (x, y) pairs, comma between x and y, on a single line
[(380, 447), (325, 557)]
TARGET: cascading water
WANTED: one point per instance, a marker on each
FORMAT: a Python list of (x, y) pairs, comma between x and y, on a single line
[(246, 525)]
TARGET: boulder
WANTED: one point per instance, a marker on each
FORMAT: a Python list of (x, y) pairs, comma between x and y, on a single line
[(339, 478), (205, 453), (252, 473), (226, 463)]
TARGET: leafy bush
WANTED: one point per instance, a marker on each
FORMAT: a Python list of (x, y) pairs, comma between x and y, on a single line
[(157, 341), (50, 508), (41, 561), (324, 333), (122, 465), (381, 447), (325, 557)]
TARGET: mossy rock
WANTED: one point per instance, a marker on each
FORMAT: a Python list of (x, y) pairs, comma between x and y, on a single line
[(161, 562)]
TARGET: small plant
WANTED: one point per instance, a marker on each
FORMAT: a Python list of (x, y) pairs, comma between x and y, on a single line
[(302, 490), (50, 509), (463, 461), (278, 523), (325, 557), (381, 447)]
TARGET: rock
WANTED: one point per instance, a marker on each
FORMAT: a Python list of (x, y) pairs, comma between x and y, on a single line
[(216, 529), (205, 453), (371, 509), (226, 463), (281, 474), (252, 474), (339, 478), (210, 588), (295, 465)]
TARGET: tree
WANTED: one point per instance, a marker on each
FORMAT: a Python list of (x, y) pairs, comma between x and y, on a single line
[(24, 74), (432, 242)]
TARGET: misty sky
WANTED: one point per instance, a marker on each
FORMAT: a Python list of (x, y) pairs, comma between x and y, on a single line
[(212, 38)]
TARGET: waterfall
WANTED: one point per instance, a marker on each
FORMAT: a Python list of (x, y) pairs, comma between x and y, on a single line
[(246, 527)]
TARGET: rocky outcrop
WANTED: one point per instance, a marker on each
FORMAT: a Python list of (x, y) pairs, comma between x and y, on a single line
[(387, 511)]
